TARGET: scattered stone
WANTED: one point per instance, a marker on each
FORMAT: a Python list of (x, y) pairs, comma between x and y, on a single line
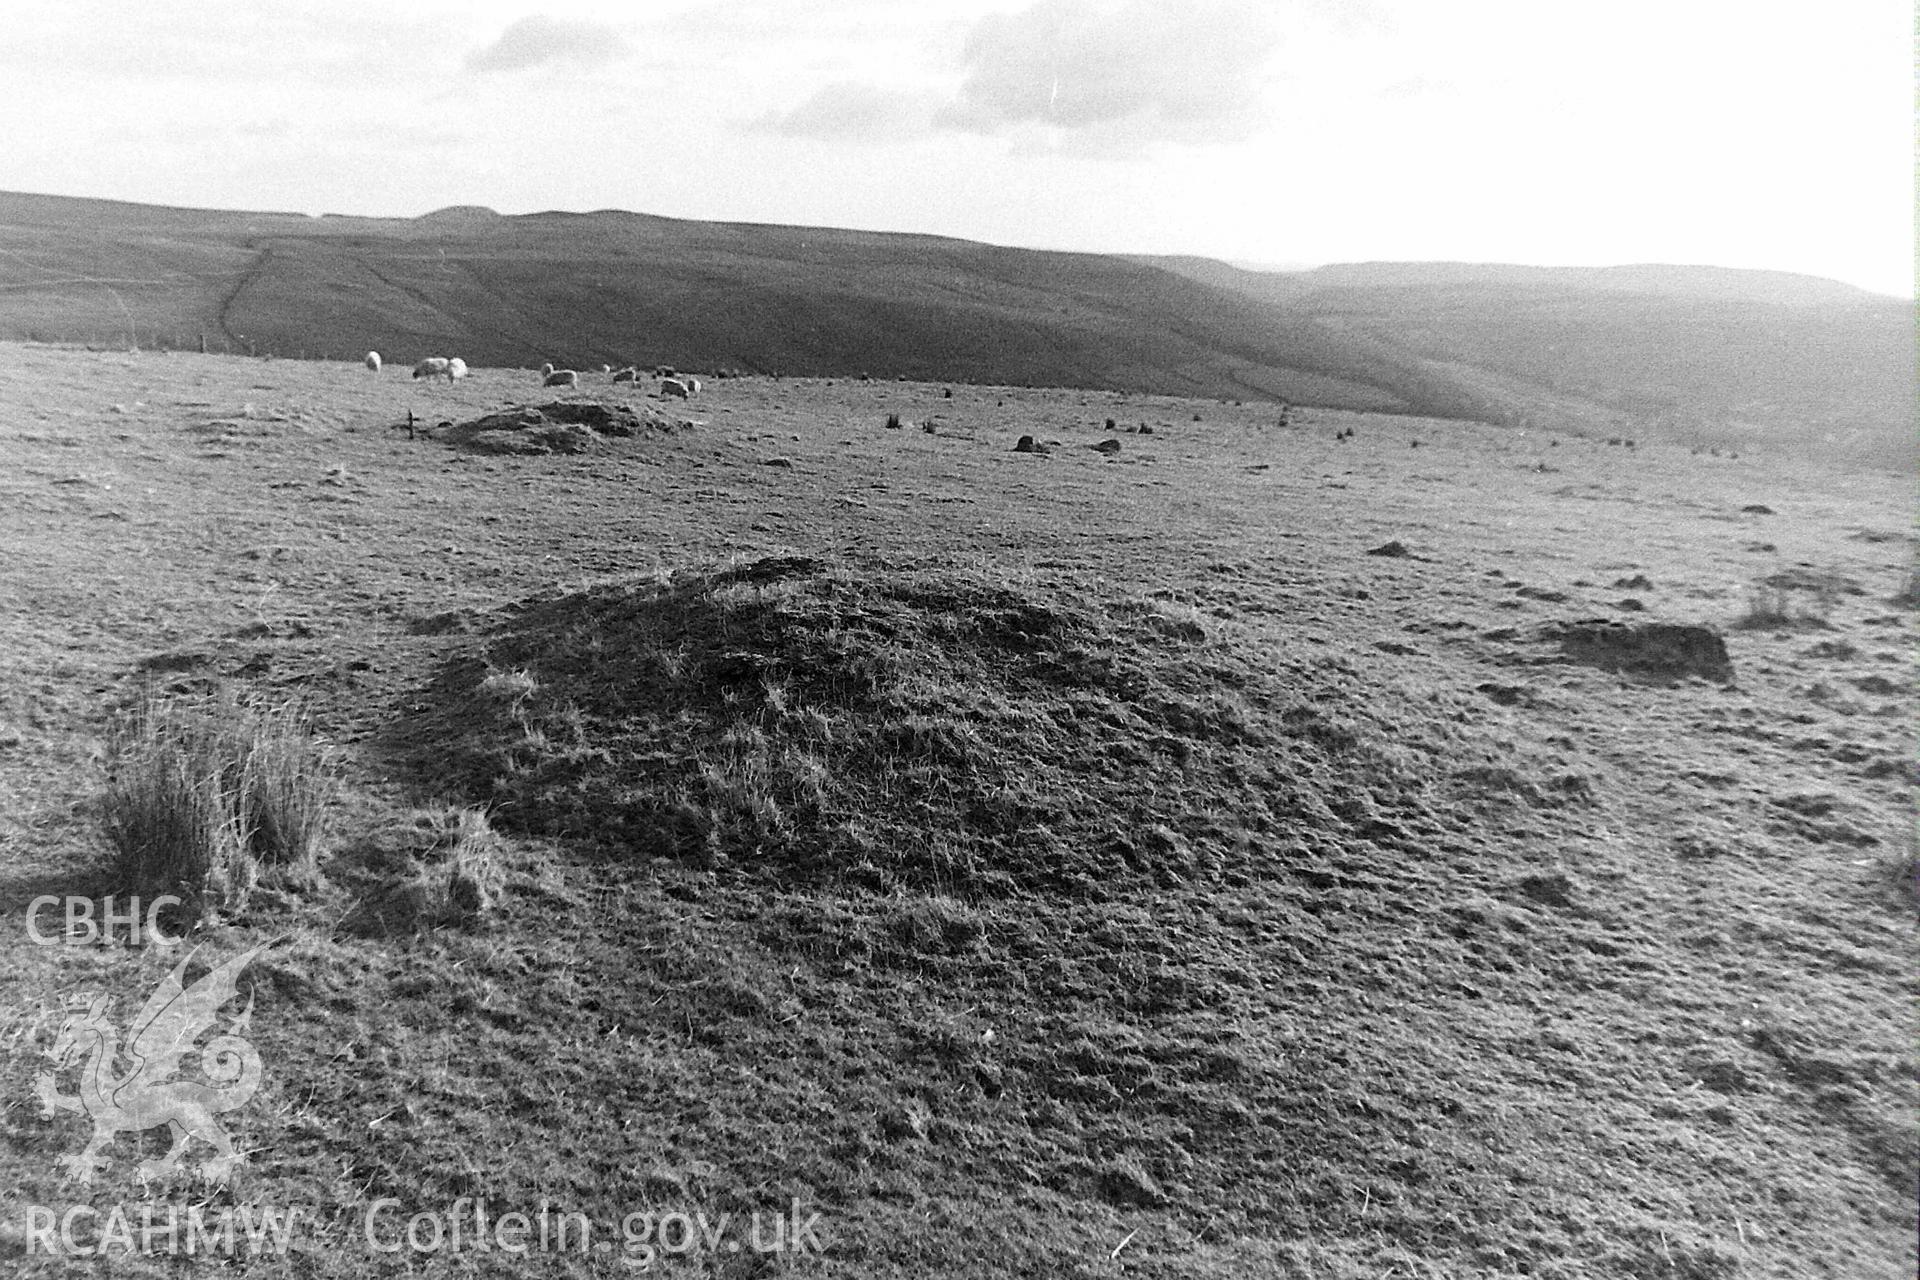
[(1508, 695), (777, 462), (1699, 848), (1552, 889), (1026, 444), (1627, 604), (1756, 509), (563, 437), (1638, 582), (906, 1122), (1396, 550), (1108, 447)]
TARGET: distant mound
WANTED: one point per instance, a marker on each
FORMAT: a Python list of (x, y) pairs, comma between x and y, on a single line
[(802, 721), (562, 426), (461, 215)]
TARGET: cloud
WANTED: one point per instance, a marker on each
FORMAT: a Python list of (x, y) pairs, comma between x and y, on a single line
[(537, 40), (1151, 70), (846, 109)]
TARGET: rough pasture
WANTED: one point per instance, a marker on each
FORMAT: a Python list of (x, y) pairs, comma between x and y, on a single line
[(1241, 902)]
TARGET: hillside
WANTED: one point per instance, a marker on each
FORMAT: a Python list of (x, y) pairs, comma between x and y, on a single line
[(1703, 356), (612, 287)]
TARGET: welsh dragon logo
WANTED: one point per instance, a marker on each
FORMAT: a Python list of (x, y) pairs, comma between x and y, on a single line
[(141, 1093)]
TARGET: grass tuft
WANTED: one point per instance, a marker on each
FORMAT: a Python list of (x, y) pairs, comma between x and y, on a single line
[(1772, 608), (207, 798)]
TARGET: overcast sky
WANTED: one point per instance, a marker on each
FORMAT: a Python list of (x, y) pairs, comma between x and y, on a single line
[(1732, 132)]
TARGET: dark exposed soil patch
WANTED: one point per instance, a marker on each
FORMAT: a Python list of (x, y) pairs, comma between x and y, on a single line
[(1664, 649)]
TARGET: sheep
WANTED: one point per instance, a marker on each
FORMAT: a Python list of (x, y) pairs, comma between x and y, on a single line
[(692, 385), (456, 368), (561, 378), (673, 387), (546, 369), (373, 361), (628, 374), (434, 367)]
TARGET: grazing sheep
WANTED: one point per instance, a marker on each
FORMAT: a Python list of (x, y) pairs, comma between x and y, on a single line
[(373, 361), (434, 367), (456, 368), (606, 368), (561, 378), (692, 385), (627, 374), (673, 387), (546, 369)]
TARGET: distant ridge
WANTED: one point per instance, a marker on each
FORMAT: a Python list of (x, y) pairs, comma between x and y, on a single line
[(1703, 354), (1784, 287), (622, 287), (1715, 356)]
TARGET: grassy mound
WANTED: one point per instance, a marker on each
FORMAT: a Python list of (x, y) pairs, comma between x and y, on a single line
[(930, 731)]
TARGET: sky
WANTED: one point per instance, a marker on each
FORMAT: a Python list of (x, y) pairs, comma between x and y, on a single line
[(1743, 133)]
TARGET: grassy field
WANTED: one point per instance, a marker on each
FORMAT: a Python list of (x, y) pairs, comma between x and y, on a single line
[(1263, 849)]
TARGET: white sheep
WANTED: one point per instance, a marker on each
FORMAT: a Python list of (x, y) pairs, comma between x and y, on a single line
[(373, 361), (434, 367), (561, 378), (693, 384), (546, 369), (456, 368)]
